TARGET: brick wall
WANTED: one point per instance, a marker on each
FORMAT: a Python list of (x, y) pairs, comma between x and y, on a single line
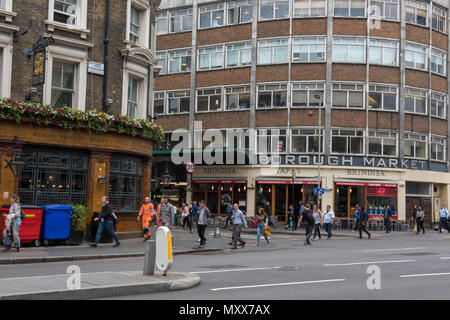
[(272, 73), (173, 81), (341, 27), (387, 30), (172, 122), (417, 34), (439, 126), (383, 120), (415, 78), (349, 72), (439, 83), (309, 26), (439, 40), (348, 118), (174, 41), (306, 117), (308, 71), (416, 123), (276, 28), (225, 34), (271, 118), (223, 77), (381, 74), (234, 119)]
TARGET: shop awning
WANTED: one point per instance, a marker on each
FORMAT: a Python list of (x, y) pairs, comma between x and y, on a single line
[(286, 181), (220, 180), (364, 183)]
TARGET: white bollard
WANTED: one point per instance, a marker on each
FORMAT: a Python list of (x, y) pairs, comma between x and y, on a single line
[(164, 256)]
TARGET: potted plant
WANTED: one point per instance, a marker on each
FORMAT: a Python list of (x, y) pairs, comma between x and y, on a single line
[(78, 224)]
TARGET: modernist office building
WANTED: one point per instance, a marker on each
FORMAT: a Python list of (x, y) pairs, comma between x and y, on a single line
[(378, 68)]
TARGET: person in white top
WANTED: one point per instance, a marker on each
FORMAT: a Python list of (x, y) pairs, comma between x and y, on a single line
[(443, 218), (328, 220)]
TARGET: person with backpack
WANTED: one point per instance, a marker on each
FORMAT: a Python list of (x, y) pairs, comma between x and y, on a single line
[(364, 218), (105, 219), (308, 222), (13, 221), (387, 213), (443, 218), (420, 215)]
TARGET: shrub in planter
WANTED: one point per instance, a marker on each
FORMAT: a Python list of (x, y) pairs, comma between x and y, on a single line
[(78, 224)]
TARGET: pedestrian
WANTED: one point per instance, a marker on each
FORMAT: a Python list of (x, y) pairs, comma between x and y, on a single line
[(165, 213), (174, 211), (443, 218), (11, 238), (158, 213), (317, 214), (203, 217), (194, 213), (105, 222), (357, 216), (186, 217), (291, 213), (414, 216), (263, 223), (147, 213), (268, 209), (229, 211), (387, 213), (420, 215), (308, 222), (238, 221), (328, 220), (364, 218)]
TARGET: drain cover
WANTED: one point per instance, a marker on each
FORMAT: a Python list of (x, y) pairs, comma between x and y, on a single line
[(417, 254), (229, 266), (288, 268)]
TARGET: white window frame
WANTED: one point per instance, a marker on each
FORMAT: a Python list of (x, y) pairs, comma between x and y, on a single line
[(417, 5), (273, 43), (238, 5), (265, 88), (73, 55), (310, 9), (349, 6), (441, 141), (144, 22), (231, 47), (81, 19), (439, 97), (200, 92), (441, 56), (373, 9), (219, 50), (178, 51), (439, 12), (416, 137), (339, 132), (274, 4), (340, 87), (349, 42), (270, 134), (159, 56), (383, 89), (384, 44), (6, 10), (416, 93), (65, 89), (382, 135), (306, 42), (159, 95), (163, 15), (307, 133), (130, 101), (140, 73), (309, 88), (173, 95), (211, 9), (417, 50), (181, 14), (6, 48), (236, 90)]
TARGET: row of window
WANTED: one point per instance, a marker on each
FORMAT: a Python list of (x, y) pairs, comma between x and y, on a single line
[(343, 142), (303, 95), (241, 11), (304, 49)]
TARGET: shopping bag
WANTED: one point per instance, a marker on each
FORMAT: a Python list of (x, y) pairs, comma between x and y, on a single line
[(267, 231), (415, 228)]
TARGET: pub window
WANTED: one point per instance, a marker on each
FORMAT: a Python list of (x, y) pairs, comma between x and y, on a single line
[(162, 61), (132, 103), (347, 141), (272, 96), (158, 107), (240, 11), (305, 141), (303, 94), (438, 148), (239, 54), (211, 16), (417, 12), (348, 95), (382, 97), (310, 8), (273, 51), (237, 98), (309, 49), (209, 99), (273, 9), (417, 188), (66, 11), (416, 100), (349, 8), (349, 50), (181, 20), (438, 61), (63, 84), (162, 23), (179, 61), (271, 141), (210, 58), (125, 183), (384, 9), (439, 19), (178, 101), (415, 145), (382, 143), (416, 56), (438, 105), (383, 52)]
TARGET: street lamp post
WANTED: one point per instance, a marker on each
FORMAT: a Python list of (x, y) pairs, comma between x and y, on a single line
[(293, 187), (320, 145)]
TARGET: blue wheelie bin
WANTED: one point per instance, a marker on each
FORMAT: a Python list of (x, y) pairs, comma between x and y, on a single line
[(56, 222)]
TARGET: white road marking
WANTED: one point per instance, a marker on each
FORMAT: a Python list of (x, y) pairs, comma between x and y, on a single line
[(278, 284), (232, 270), (445, 258), (398, 249), (359, 263), (425, 275)]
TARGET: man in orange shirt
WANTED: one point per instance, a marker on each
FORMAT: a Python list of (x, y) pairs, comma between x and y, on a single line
[(147, 212)]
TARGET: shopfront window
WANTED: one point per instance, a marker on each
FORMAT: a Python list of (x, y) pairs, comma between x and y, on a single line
[(53, 177), (218, 193)]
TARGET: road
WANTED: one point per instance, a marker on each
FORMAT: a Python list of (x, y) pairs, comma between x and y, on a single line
[(411, 267)]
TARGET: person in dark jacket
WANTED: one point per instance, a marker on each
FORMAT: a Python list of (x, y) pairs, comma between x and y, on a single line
[(229, 215), (105, 222), (364, 218), (308, 222), (387, 212), (269, 212)]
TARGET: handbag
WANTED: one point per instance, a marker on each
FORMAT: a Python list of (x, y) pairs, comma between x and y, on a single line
[(22, 214), (267, 231)]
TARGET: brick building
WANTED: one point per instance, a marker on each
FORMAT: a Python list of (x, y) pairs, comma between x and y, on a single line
[(376, 68), (53, 52)]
